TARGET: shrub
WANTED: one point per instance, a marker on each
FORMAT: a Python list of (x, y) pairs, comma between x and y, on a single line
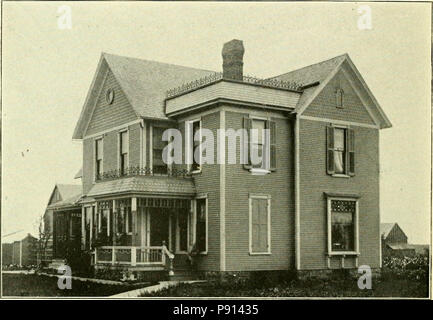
[(414, 268)]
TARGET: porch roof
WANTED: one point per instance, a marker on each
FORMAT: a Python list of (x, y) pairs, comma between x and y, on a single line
[(71, 202), (152, 185)]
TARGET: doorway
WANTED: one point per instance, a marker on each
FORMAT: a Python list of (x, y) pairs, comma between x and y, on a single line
[(159, 226)]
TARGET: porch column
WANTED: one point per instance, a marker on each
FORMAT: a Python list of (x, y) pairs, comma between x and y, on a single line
[(83, 228), (91, 227), (134, 237), (114, 231)]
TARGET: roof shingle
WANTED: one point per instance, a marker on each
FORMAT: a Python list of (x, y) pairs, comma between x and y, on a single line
[(146, 82)]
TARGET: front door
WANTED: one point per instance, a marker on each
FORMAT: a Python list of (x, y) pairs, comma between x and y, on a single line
[(159, 226)]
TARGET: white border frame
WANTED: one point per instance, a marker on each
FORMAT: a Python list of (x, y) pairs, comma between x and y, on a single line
[(250, 229)]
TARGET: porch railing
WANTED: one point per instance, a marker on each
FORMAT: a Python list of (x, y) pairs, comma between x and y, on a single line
[(142, 171), (133, 256)]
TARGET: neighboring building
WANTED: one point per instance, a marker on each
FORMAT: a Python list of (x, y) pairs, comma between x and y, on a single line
[(6, 254), (394, 241), (62, 223), (24, 251), (312, 206)]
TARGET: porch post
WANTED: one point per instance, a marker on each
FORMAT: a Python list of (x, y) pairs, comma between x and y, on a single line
[(170, 230), (83, 227), (114, 231), (91, 227), (134, 221)]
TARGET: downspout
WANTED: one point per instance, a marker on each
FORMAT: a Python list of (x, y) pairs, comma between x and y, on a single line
[(297, 198)]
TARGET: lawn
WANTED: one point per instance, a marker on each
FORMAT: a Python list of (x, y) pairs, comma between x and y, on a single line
[(43, 286), (298, 288)]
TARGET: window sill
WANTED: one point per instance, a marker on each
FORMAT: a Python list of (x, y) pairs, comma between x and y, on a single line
[(258, 171), (343, 253), (260, 253), (340, 175)]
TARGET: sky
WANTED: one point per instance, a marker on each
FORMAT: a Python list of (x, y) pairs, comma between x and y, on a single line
[(47, 72)]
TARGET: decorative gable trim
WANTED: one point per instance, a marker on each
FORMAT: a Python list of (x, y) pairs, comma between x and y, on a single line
[(99, 79), (381, 123)]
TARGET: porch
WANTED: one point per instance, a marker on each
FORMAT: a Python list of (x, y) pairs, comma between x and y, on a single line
[(142, 233)]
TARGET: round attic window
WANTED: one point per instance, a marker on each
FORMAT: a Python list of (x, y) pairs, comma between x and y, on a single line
[(109, 96)]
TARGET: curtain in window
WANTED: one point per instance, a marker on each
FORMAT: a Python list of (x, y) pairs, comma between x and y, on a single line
[(339, 150)]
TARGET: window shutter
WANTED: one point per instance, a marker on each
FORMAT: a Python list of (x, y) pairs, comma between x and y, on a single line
[(247, 142), (330, 167), (350, 152), (273, 144), (255, 224), (263, 225)]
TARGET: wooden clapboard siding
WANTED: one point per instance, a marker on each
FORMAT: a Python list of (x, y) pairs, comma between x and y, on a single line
[(396, 235), (314, 181), (324, 105), (279, 185), (208, 182), (106, 116)]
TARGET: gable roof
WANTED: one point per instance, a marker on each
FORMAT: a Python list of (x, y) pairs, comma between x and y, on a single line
[(385, 228), (68, 202), (144, 83), (67, 192), (317, 76)]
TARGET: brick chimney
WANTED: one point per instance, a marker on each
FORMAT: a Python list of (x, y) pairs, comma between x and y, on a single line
[(233, 54)]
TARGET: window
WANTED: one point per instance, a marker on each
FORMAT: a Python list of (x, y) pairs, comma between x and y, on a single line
[(98, 158), (194, 148), (261, 150), (201, 225), (123, 152), (342, 225), (258, 141), (158, 145), (259, 225), (340, 151), (339, 95)]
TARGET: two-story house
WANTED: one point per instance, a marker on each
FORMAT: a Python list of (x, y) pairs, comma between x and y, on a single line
[(312, 206)]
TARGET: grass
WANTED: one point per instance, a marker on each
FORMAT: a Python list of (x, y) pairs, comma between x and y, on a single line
[(301, 288), (43, 286)]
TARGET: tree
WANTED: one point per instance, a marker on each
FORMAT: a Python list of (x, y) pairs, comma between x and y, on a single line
[(45, 235)]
